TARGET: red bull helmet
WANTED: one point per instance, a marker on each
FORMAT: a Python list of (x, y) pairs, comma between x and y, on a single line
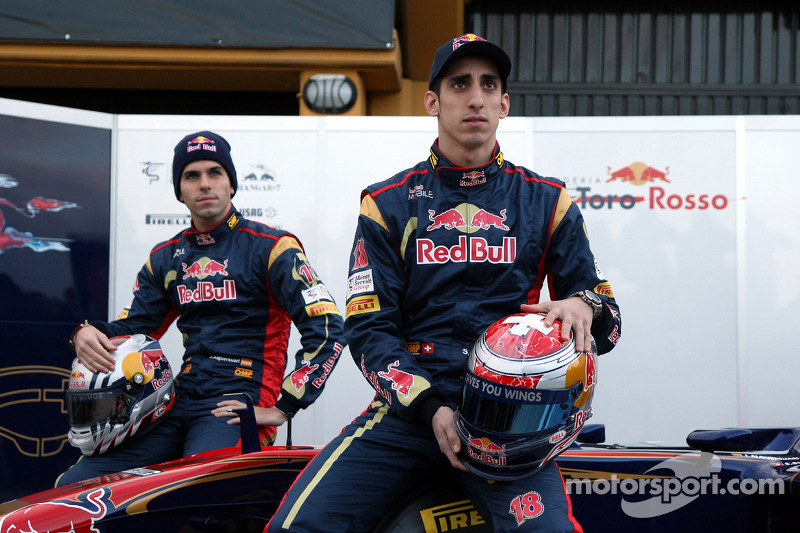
[(106, 409), (527, 394)]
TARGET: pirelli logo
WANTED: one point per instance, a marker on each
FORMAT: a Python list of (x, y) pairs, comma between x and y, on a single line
[(363, 304), (450, 517), (322, 308), (604, 288)]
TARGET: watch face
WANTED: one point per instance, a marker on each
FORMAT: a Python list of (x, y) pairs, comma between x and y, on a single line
[(593, 297)]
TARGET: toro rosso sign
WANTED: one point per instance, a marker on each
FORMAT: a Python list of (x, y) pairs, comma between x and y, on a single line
[(467, 218), (653, 191)]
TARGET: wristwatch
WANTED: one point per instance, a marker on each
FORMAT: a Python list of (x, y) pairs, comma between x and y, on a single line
[(592, 299)]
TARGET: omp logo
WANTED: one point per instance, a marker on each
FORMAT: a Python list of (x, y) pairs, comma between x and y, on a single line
[(29, 394), (451, 517), (59, 516)]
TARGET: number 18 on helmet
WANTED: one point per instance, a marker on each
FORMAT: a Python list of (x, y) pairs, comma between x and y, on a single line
[(527, 394)]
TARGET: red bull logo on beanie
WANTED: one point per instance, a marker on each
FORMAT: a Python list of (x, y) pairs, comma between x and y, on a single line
[(201, 143), (655, 197)]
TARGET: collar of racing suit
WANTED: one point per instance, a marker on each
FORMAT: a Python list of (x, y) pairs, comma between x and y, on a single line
[(222, 230), (456, 176)]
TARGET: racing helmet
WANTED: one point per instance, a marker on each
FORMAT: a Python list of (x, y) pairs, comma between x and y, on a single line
[(106, 409), (526, 396)]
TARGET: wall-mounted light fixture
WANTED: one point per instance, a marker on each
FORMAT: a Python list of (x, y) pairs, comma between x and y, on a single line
[(329, 93)]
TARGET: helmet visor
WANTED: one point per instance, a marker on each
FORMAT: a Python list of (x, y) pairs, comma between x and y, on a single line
[(88, 407), (507, 410)]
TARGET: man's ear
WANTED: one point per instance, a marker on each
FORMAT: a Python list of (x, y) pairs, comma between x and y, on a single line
[(431, 101), (505, 106)]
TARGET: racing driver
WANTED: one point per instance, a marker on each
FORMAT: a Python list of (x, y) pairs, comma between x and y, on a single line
[(234, 286), (441, 251)]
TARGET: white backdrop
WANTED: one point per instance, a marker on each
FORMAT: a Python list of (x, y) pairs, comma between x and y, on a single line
[(700, 245)]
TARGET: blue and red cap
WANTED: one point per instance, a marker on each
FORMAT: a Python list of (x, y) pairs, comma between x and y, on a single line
[(203, 145), (469, 45)]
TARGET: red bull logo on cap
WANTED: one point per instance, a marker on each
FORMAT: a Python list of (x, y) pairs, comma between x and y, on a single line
[(466, 38)]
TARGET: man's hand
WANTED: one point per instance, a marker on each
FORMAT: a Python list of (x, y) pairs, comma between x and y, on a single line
[(265, 416), (444, 428), (574, 313), (93, 350)]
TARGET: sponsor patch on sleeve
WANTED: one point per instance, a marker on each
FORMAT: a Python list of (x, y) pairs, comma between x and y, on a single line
[(604, 289), (316, 293), (322, 308), (363, 304), (360, 282)]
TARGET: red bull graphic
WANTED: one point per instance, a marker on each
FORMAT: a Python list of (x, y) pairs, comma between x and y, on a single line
[(458, 217), (59, 516), (449, 219), (591, 371), (467, 37), (12, 238), (485, 445), (327, 366), (204, 267), (475, 177), (207, 292), (485, 220), (639, 174), (300, 376), (474, 250), (201, 143), (401, 381)]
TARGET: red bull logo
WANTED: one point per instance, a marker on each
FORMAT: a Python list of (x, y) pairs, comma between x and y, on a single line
[(474, 250), (204, 267), (485, 220), (151, 360), (401, 381), (466, 38), (591, 371), (300, 376), (207, 292), (59, 516), (459, 218), (449, 219), (485, 445), (201, 143), (638, 174), (476, 177)]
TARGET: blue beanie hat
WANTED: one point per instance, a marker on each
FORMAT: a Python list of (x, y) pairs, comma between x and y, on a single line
[(199, 146)]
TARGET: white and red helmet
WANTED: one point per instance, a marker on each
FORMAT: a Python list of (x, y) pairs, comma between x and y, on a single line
[(105, 409), (527, 394)]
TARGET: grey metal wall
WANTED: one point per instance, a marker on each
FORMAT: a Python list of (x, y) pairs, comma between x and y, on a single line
[(638, 58)]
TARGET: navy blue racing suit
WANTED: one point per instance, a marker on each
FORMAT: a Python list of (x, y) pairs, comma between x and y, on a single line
[(234, 290), (440, 253)]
